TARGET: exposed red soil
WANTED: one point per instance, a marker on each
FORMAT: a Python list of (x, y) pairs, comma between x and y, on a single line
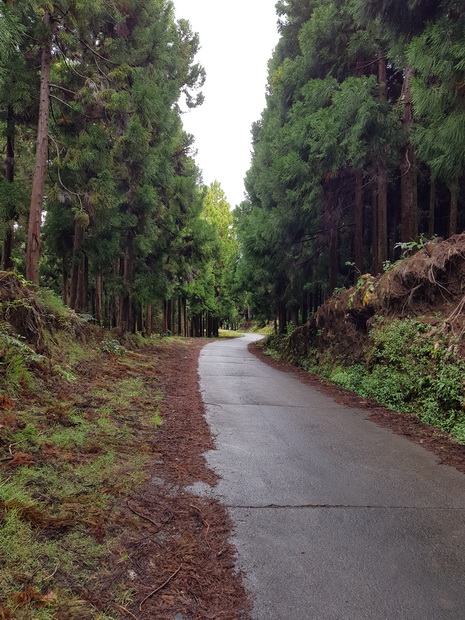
[(408, 425)]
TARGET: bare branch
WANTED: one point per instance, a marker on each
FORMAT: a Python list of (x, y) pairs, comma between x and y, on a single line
[(59, 175), (66, 90)]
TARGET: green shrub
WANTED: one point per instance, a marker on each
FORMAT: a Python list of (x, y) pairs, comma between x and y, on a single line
[(410, 366)]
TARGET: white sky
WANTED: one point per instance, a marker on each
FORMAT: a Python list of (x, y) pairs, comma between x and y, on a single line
[(237, 39)]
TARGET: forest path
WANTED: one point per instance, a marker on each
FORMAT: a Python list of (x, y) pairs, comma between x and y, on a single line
[(335, 517)]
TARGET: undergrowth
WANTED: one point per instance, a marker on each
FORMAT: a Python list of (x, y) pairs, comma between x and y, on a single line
[(229, 333), (66, 462), (77, 430)]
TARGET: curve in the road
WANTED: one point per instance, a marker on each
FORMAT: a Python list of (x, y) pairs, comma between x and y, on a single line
[(335, 518)]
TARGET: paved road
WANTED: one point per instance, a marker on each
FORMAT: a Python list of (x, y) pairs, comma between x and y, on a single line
[(335, 518)]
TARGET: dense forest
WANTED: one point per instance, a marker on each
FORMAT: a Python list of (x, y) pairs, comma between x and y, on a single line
[(101, 199), (359, 153)]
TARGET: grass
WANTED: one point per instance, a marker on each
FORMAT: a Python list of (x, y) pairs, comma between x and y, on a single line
[(229, 333), (258, 328), (70, 456)]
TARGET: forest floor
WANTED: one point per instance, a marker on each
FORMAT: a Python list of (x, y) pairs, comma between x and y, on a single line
[(161, 552), (408, 425)]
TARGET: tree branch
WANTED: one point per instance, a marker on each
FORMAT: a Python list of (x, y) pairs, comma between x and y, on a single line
[(92, 118), (66, 90), (59, 175)]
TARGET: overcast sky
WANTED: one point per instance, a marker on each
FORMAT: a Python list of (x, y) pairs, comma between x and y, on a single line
[(237, 39)]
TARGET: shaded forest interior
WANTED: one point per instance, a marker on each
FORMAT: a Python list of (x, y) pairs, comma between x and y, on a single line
[(358, 157)]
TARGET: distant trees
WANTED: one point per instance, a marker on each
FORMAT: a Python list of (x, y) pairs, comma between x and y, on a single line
[(360, 147), (101, 198)]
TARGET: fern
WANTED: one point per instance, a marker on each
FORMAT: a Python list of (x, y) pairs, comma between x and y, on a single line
[(14, 344), (15, 358)]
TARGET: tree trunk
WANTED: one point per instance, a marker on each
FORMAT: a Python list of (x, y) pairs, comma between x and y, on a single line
[(382, 75), (148, 321), (99, 298), (282, 320), (358, 221), (381, 228), (454, 198), (126, 301), (81, 300), (169, 316), (179, 316), (65, 276), (407, 169), (304, 307), (375, 267), (116, 296), (38, 179), (164, 326), (8, 230), (333, 259), (76, 270), (432, 207), (379, 205)]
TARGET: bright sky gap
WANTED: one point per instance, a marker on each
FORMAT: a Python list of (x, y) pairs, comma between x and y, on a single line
[(237, 40)]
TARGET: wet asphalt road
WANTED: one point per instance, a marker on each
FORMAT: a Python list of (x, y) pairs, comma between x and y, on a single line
[(335, 518)]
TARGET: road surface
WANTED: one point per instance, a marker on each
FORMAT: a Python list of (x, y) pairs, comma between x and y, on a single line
[(335, 517)]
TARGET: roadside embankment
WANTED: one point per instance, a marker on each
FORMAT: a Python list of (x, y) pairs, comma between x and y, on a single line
[(397, 338)]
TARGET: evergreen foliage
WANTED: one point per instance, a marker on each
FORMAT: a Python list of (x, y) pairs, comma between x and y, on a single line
[(116, 223), (359, 148)]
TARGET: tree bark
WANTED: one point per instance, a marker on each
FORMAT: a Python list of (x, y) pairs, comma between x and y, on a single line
[(454, 198), (76, 271), (380, 199), (282, 320), (333, 259), (82, 284), (99, 298), (408, 176), (358, 221), (165, 318), (304, 307), (38, 180), (432, 207), (382, 219), (126, 300), (148, 321), (116, 296), (173, 317), (169, 325), (65, 276), (8, 230), (375, 267), (179, 315)]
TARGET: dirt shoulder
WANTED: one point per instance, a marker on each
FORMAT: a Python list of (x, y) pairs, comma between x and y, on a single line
[(434, 440), (188, 542), (95, 521)]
